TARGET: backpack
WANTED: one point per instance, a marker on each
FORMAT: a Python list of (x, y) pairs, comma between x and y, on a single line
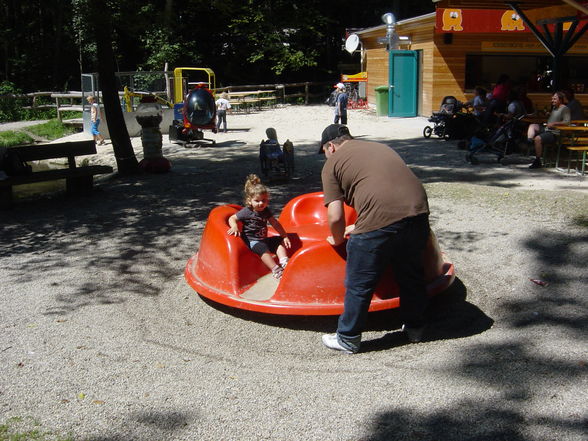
[(12, 164)]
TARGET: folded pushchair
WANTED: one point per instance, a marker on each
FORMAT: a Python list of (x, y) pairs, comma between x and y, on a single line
[(500, 142)]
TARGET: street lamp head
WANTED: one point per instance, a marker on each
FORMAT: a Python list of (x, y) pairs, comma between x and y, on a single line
[(389, 19)]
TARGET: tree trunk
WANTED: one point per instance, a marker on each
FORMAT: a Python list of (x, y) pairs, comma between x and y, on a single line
[(121, 142)]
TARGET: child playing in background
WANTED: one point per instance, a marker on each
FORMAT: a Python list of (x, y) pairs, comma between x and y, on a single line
[(95, 120), (222, 105), (255, 216)]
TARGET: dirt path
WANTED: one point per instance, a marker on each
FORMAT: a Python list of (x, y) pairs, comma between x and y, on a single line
[(18, 125)]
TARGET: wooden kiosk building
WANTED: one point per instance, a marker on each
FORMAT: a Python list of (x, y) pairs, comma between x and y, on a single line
[(469, 43)]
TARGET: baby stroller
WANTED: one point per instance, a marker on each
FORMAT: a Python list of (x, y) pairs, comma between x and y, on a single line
[(499, 143), (448, 121), (276, 159)]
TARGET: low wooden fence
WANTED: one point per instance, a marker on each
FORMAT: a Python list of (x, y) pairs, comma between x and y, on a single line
[(271, 93), (285, 92), (62, 101)]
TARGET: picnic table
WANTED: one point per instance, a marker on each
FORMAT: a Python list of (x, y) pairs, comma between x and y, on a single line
[(78, 178), (574, 138), (248, 99)]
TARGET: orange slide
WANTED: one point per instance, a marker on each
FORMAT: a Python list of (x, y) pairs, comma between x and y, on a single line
[(226, 271)]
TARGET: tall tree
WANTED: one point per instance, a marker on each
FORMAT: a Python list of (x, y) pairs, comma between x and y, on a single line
[(121, 143)]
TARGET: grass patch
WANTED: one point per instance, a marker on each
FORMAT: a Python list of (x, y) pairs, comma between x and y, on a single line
[(10, 138), (26, 429), (52, 129), (71, 114)]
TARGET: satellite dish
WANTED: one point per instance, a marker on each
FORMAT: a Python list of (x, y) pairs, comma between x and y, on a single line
[(351, 43)]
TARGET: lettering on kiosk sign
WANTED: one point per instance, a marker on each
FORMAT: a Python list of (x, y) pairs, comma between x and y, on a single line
[(526, 46)]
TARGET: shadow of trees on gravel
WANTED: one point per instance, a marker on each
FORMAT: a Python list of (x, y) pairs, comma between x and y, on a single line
[(133, 234), (561, 263), (472, 420), (158, 423), (136, 233), (512, 374)]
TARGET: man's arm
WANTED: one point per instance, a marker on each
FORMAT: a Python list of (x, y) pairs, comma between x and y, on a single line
[(336, 219)]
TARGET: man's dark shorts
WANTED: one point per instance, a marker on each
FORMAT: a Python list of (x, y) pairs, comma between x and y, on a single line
[(547, 136)]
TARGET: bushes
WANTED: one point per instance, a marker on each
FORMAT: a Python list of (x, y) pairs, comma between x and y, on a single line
[(13, 105), (10, 105)]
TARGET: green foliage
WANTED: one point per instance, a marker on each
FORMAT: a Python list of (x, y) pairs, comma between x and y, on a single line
[(160, 49), (243, 41), (10, 138), (10, 106), (284, 44)]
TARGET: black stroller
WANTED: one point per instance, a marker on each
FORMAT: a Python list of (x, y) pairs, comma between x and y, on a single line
[(274, 158), (500, 143), (452, 121)]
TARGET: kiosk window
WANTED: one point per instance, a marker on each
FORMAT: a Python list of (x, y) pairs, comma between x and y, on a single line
[(533, 71)]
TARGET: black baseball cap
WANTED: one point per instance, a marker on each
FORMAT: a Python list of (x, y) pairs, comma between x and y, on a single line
[(331, 132)]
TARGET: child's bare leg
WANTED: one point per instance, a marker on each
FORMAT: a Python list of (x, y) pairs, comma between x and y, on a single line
[(269, 261), (282, 254)]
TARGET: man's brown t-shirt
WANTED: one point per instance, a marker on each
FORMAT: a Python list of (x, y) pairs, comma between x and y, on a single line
[(374, 180)]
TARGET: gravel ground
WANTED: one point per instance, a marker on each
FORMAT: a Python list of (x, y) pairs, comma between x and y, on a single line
[(102, 339)]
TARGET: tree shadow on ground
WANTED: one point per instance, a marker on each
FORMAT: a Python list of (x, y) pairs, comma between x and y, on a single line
[(142, 229), (472, 420), (134, 234), (513, 374), (560, 260), (150, 423)]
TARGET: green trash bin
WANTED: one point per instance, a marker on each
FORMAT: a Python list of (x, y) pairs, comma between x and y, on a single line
[(382, 100)]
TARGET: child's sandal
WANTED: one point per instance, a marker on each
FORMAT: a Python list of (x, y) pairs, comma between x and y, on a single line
[(277, 272)]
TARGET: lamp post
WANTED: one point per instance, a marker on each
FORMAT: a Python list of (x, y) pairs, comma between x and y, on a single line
[(391, 41), (391, 37)]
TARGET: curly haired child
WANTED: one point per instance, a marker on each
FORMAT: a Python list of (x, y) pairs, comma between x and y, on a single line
[(254, 217)]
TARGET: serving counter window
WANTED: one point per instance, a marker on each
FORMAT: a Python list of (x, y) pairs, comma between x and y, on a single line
[(532, 71)]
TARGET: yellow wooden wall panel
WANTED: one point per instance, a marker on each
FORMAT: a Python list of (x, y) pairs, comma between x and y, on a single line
[(442, 64)]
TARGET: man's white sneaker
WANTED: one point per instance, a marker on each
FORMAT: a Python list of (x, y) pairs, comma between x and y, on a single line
[(332, 342)]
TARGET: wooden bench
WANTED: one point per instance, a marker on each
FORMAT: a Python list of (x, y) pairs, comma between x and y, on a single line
[(572, 143), (79, 180), (579, 149)]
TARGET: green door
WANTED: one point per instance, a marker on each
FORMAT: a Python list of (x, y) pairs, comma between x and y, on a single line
[(403, 80)]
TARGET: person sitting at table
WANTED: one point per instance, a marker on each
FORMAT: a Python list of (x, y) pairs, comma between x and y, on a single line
[(478, 103), (576, 109), (515, 108), (497, 104), (541, 135), (529, 107)]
